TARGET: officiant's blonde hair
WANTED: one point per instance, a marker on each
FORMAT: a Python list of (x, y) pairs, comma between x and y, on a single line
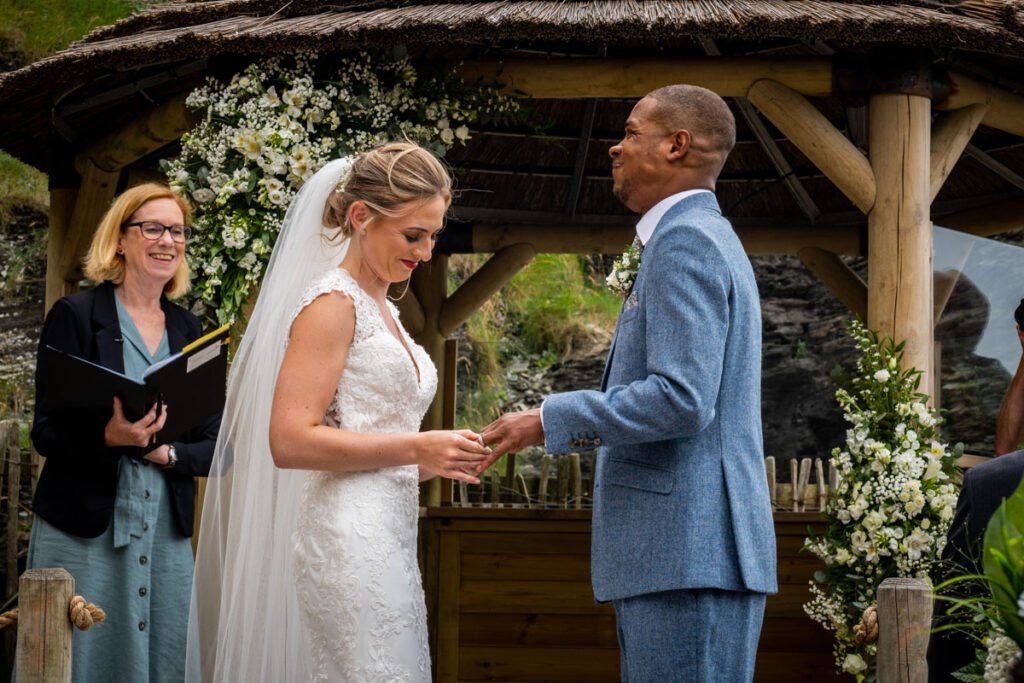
[(386, 179), (103, 263)]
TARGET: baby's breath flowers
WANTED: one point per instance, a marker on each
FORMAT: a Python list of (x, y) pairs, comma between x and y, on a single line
[(624, 270), (894, 502), (274, 124)]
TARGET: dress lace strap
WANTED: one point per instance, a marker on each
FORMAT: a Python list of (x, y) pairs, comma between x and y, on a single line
[(340, 280)]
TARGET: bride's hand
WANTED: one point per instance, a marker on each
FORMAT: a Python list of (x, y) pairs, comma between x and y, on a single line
[(452, 454)]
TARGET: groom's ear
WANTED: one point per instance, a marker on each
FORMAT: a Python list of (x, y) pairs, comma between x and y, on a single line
[(680, 144)]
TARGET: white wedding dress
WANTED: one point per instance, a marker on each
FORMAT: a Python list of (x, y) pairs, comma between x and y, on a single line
[(356, 573)]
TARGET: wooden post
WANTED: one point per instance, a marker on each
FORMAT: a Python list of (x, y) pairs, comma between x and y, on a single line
[(904, 623), (448, 387), (44, 627), (11, 451), (899, 227), (62, 206), (430, 285), (91, 202)]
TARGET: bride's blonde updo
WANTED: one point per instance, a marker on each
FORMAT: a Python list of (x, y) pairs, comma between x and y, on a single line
[(385, 179)]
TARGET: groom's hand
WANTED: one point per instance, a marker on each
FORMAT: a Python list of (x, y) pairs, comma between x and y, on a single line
[(510, 433)]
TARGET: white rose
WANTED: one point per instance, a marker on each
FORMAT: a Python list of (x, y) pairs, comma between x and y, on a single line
[(882, 376), (854, 664), (462, 133), (203, 195), (447, 136)]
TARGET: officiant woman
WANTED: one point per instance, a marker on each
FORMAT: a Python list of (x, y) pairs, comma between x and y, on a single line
[(113, 508)]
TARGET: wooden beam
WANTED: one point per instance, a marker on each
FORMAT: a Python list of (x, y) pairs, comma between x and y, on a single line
[(1005, 109), (838, 278), (818, 139), (605, 239), (145, 134), (599, 77), (988, 220), (430, 285), (476, 290), (900, 300), (93, 200), (997, 167), (950, 136)]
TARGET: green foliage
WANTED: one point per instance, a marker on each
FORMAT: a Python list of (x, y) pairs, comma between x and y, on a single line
[(1004, 565), (20, 184), (556, 308), (38, 28), (551, 310)]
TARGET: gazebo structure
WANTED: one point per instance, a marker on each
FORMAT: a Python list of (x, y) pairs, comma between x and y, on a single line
[(860, 124)]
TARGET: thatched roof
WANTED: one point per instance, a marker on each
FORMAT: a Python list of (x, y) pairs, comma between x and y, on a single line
[(60, 104)]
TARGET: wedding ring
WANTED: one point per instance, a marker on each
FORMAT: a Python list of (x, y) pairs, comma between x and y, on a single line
[(480, 440)]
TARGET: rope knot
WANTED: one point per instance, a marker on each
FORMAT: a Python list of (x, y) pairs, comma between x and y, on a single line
[(866, 632), (85, 614)]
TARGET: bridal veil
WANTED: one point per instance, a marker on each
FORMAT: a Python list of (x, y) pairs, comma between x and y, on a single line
[(244, 620)]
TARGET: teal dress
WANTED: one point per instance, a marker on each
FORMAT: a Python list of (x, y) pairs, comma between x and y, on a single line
[(139, 570)]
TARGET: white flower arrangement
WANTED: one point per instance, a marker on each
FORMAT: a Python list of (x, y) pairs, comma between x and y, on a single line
[(894, 502), (271, 126), (624, 270)]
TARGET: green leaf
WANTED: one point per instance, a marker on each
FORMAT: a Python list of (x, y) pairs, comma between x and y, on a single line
[(1004, 562)]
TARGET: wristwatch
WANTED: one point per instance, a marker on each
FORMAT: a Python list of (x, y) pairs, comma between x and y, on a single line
[(172, 457)]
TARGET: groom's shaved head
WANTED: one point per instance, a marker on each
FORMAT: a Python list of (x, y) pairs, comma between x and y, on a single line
[(706, 115)]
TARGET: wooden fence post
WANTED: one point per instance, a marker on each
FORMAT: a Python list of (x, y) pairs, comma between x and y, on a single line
[(44, 627), (904, 623), (11, 452)]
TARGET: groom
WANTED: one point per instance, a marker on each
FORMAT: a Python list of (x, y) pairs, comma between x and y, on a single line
[(683, 540)]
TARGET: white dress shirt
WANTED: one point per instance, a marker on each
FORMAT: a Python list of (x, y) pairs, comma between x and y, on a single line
[(649, 221)]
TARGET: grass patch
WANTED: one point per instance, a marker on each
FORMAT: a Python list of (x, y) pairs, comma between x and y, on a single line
[(20, 184), (37, 28)]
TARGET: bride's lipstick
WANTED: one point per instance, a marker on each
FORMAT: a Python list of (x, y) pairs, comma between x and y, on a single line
[(411, 265)]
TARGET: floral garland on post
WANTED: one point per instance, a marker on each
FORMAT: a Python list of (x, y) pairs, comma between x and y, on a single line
[(894, 502), (274, 124)]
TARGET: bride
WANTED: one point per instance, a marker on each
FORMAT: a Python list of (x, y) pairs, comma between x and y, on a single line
[(307, 567)]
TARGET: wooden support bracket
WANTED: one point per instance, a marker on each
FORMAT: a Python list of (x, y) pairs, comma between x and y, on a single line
[(491, 277), (818, 139), (1005, 109), (950, 137), (147, 133), (838, 277)]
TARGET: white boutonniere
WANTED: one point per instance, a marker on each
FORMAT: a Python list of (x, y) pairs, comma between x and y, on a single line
[(624, 270)]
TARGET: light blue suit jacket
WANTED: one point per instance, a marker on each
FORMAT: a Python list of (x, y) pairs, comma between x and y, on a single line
[(680, 495)]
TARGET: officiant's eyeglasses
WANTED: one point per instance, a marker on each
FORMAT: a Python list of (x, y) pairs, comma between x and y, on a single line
[(152, 230)]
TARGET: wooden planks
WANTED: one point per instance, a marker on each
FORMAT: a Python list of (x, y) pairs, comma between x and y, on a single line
[(515, 603)]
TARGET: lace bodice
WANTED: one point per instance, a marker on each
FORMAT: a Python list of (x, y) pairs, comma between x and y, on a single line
[(379, 390), (357, 577)]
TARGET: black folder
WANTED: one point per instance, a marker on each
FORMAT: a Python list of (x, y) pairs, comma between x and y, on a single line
[(190, 383)]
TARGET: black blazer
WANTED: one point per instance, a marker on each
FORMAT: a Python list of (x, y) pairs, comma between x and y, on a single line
[(985, 488), (78, 484)]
